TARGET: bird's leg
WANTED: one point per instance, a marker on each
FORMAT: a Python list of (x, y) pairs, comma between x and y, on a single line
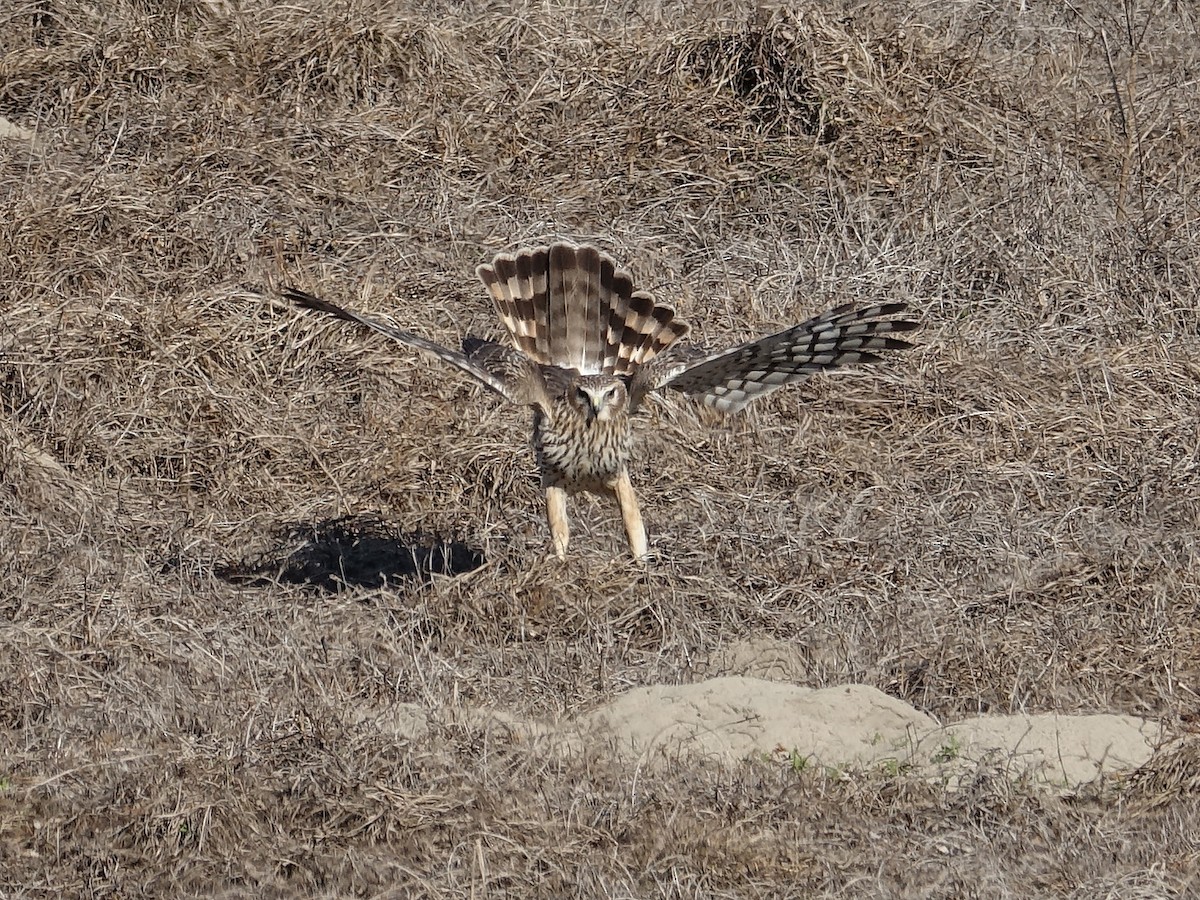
[(556, 514), (635, 528)]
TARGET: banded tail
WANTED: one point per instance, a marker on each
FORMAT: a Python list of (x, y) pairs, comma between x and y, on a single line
[(572, 307)]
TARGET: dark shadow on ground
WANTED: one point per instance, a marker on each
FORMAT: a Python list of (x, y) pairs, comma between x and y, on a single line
[(353, 552)]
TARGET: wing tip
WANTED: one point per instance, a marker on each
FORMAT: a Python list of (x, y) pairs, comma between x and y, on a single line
[(305, 300)]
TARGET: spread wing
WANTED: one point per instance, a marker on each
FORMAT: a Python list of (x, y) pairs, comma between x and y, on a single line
[(730, 379), (508, 372)]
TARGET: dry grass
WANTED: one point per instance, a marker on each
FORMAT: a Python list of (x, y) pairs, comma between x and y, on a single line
[(1002, 520)]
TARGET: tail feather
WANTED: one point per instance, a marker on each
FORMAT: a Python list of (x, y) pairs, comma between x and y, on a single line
[(613, 283), (564, 306), (573, 307), (583, 343), (649, 330), (513, 282)]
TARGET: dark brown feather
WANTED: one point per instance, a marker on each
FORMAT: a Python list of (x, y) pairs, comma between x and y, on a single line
[(581, 311)]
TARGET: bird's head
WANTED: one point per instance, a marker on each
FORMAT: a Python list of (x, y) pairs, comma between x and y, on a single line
[(598, 398)]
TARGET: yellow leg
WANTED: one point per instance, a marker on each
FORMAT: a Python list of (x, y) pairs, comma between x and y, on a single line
[(556, 514), (635, 528)]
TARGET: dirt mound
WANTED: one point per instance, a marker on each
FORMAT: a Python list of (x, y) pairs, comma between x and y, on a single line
[(857, 727)]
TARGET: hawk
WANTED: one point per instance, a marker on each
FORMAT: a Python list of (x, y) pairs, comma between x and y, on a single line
[(589, 349)]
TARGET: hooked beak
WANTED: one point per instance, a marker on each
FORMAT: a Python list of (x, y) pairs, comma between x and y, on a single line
[(593, 410)]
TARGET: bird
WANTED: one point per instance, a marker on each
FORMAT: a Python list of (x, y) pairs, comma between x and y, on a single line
[(587, 349)]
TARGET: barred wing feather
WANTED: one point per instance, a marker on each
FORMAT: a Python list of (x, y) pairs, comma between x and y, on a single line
[(729, 379)]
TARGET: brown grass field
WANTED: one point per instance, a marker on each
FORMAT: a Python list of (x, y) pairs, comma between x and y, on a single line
[(1001, 520)]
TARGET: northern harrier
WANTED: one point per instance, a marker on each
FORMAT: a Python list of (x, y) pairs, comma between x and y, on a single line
[(589, 348)]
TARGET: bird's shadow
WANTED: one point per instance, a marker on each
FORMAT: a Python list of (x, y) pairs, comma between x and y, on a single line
[(352, 552)]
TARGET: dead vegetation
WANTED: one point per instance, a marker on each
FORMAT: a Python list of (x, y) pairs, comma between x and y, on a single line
[(1002, 520)]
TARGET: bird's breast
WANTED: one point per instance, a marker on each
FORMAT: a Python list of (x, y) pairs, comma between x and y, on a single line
[(580, 454)]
